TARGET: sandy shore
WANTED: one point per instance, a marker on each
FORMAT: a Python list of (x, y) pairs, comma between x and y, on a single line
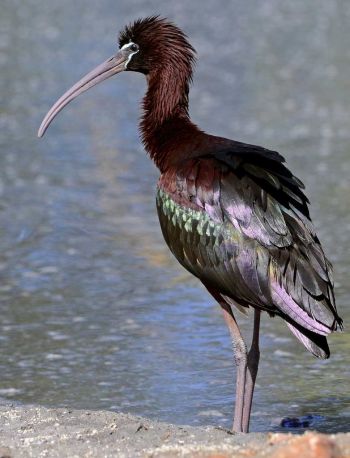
[(32, 431)]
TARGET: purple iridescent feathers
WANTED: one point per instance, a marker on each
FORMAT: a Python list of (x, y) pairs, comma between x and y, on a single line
[(258, 247), (232, 213)]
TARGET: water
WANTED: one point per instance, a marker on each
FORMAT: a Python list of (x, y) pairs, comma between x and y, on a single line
[(95, 312)]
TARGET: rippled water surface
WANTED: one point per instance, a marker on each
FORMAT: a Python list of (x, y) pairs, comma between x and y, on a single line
[(95, 313)]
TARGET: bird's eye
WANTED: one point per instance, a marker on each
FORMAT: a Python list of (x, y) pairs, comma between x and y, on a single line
[(134, 47)]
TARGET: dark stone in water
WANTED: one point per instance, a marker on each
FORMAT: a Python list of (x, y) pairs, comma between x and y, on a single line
[(305, 421)]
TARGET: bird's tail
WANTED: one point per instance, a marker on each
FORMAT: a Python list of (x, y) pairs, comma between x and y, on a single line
[(315, 343)]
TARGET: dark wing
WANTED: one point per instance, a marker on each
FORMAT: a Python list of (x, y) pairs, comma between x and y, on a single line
[(252, 239)]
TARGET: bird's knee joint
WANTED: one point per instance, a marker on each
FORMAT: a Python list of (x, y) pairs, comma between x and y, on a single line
[(240, 353), (254, 357), (240, 360)]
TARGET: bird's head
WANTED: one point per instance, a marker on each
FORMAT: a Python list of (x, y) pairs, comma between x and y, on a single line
[(159, 44), (147, 46)]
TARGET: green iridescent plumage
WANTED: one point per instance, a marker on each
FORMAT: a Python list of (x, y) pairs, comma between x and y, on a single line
[(248, 242)]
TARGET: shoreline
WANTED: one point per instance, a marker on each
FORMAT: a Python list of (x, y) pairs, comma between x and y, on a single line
[(35, 431)]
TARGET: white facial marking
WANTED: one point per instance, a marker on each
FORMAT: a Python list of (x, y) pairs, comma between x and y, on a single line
[(126, 46)]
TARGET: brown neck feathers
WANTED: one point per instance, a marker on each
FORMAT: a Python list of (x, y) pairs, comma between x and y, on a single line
[(166, 129)]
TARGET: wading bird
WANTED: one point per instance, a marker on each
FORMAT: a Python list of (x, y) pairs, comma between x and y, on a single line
[(231, 213)]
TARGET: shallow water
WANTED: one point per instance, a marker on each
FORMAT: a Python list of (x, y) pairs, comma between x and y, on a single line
[(95, 311)]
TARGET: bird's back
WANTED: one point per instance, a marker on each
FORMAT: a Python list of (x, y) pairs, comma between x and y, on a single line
[(237, 219)]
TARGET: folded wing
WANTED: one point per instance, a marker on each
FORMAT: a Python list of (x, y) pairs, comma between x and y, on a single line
[(250, 237)]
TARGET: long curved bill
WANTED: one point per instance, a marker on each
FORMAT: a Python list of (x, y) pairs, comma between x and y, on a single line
[(110, 67)]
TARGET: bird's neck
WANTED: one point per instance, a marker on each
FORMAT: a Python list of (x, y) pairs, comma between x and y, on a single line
[(166, 129)]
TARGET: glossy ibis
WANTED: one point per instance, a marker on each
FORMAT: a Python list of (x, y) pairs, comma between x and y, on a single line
[(231, 213)]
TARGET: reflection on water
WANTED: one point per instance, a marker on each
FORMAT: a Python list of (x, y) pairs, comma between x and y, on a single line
[(95, 311)]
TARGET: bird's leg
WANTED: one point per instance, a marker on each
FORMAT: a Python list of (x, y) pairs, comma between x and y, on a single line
[(240, 355), (252, 370), (246, 363)]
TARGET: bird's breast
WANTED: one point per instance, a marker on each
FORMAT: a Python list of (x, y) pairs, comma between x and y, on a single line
[(203, 246)]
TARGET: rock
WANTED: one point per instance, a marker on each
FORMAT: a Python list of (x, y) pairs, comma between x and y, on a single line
[(5, 452), (311, 445)]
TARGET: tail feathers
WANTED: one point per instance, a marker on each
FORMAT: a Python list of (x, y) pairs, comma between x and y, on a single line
[(315, 343), (286, 304)]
